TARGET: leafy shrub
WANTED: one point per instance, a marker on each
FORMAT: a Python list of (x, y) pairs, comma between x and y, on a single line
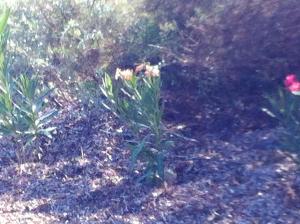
[(139, 43), (135, 98), (241, 41), (285, 107), (67, 41), (22, 102)]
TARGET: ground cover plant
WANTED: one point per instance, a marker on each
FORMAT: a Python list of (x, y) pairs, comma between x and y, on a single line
[(157, 109)]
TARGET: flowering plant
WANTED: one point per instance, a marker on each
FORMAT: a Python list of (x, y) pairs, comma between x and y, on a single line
[(284, 106), (134, 96)]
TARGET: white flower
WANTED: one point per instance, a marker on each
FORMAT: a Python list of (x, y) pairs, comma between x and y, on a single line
[(152, 71), (124, 74)]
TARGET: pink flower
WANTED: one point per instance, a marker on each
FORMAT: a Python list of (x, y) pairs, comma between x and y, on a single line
[(290, 80), (294, 87)]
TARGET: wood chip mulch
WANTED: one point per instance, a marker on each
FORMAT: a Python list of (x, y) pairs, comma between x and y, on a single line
[(84, 177)]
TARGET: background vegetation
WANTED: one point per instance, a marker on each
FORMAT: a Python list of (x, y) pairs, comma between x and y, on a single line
[(228, 47)]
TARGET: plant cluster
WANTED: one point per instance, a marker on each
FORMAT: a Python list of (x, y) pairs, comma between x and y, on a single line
[(22, 102), (134, 96)]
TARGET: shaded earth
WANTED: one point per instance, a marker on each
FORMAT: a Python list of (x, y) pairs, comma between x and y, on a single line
[(84, 177)]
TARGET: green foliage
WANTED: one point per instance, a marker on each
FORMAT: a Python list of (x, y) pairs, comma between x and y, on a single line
[(136, 100), (140, 42), (22, 103), (72, 39), (67, 41), (285, 107)]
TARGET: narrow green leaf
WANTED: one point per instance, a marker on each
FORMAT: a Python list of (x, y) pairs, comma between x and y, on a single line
[(3, 19)]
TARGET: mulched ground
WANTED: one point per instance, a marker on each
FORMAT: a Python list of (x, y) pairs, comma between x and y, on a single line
[(83, 177)]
